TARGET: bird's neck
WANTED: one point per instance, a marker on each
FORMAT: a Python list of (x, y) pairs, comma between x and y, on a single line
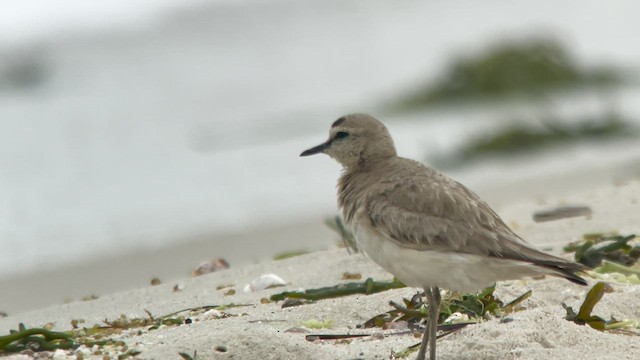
[(354, 182)]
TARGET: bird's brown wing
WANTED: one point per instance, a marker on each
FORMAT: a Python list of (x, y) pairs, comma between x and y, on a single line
[(426, 210), (432, 212)]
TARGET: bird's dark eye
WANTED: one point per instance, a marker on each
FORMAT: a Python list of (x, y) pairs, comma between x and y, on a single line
[(341, 135)]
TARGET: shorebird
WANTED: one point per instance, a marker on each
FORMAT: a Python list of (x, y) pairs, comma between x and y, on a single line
[(425, 228)]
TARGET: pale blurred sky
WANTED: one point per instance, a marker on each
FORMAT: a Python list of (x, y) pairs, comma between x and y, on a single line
[(24, 20), (30, 19)]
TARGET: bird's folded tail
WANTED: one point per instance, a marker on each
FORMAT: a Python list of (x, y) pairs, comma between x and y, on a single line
[(558, 266), (567, 270)]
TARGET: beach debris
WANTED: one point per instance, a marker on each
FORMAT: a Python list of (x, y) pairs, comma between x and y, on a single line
[(611, 271), (594, 248), (75, 323), (83, 352), (293, 302), (220, 348), (317, 324), (265, 281), (397, 325), (98, 338), (35, 339), (90, 297), (516, 304), (155, 281), (230, 292), (296, 330), (210, 266), (561, 212), (214, 314), (367, 287), (456, 317), (152, 322), (289, 254), (131, 353), (409, 314), (178, 287), (197, 313), (186, 356), (615, 277), (224, 286), (456, 309), (60, 354), (316, 337), (348, 240), (584, 316), (444, 331), (3, 314), (266, 321), (351, 276)]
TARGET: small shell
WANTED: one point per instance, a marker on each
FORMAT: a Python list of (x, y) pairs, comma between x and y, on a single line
[(210, 266), (213, 313), (265, 281), (60, 354), (456, 317)]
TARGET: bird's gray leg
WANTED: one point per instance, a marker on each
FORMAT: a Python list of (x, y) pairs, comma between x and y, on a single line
[(429, 337), (434, 313), (425, 336)]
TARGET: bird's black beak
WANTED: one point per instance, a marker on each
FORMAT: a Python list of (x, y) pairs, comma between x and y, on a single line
[(316, 149)]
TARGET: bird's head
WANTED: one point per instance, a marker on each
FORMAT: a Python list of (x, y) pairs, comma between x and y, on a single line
[(356, 140)]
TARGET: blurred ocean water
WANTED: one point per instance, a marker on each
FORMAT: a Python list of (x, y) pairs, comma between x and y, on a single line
[(138, 137)]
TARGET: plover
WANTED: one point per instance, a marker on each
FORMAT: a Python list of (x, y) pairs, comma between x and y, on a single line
[(422, 226)]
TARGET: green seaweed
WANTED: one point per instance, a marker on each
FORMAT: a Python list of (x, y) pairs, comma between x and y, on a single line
[(611, 271), (289, 254), (131, 353), (474, 306), (41, 339), (186, 356), (36, 339), (317, 324), (584, 316), (367, 287), (612, 267), (520, 137), (593, 249), (531, 67)]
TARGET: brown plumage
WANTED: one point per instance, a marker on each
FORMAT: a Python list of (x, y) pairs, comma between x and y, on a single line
[(422, 209), (422, 226)]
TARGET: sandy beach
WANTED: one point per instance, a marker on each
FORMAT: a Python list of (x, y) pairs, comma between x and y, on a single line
[(129, 270), (268, 331)]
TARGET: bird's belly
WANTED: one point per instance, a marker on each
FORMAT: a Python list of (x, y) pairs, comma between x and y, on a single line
[(447, 269)]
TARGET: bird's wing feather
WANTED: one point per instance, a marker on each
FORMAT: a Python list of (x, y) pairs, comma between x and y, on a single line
[(426, 210), (424, 214)]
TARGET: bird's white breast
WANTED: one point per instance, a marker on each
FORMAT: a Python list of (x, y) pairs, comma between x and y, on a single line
[(446, 269)]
